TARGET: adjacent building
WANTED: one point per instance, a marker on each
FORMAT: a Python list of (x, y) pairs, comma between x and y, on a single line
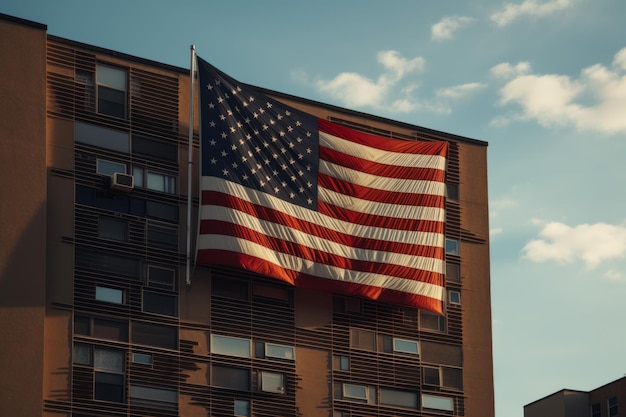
[(603, 401), (96, 316)]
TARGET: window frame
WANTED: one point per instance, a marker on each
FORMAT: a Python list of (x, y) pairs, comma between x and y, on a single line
[(454, 297), (397, 349), (350, 396), (276, 345), (98, 83), (269, 374)]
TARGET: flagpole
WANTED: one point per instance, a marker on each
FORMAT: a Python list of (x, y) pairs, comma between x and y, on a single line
[(190, 164)]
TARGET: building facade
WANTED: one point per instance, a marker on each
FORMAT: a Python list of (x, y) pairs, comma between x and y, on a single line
[(603, 401), (96, 316)]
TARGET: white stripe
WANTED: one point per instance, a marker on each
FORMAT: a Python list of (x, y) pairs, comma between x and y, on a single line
[(294, 263), (398, 185), (381, 209), (325, 245), (267, 200), (381, 156)]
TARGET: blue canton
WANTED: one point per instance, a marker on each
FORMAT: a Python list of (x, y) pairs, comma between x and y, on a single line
[(251, 139)]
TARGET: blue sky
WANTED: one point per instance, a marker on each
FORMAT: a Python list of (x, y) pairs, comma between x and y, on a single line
[(543, 81)]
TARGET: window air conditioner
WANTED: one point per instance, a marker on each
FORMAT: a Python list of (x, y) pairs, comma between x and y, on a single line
[(122, 182)]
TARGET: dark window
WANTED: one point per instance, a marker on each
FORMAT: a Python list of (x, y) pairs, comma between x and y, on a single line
[(612, 403), (162, 211), (115, 140), (453, 272), (225, 287), (452, 377), (270, 292), (233, 378), (162, 237), (452, 191), (82, 354), (82, 325), (398, 398), (111, 264), (155, 149), (160, 303), (109, 329), (155, 335), (113, 229), (161, 277), (431, 376), (431, 321), (242, 408), (595, 410), (362, 339), (112, 86), (109, 387)]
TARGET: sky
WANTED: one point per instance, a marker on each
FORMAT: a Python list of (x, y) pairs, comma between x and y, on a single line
[(542, 81)]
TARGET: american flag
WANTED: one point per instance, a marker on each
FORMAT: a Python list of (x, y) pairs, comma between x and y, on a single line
[(316, 204)]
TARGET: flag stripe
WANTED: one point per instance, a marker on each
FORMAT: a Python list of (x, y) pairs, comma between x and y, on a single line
[(290, 262)]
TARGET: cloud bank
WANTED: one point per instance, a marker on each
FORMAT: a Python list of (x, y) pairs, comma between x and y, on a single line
[(595, 101), (591, 243)]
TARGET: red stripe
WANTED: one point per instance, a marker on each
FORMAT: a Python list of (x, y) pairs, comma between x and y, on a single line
[(400, 146), (381, 170), (321, 232), (380, 196), (226, 200), (222, 257)]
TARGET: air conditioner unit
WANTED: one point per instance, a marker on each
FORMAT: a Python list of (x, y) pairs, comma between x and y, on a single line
[(122, 182)]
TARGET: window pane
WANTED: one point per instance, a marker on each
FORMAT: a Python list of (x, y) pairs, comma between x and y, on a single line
[(115, 140), (111, 77), (232, 346), (344, 363), (160, 277), (162, 237), (82, 354), (112, 102), (272, 382), (155, 335), (112, 330), (355, 391), (405, 346), (233, 378), (109, 387), (109, 167), (161, 182), (113, 229), (160, 303), (454, 297), (431, 376), (111, 264), (453, 272), (225, 287), (279, 351), (142, 358), (108, 359), (110, 295), (153, 394), (242, 408), (363, 339), (138, 176), (452, 377), (437, 403), (155, 148), (398, 398), (162, 210), (452, 246)]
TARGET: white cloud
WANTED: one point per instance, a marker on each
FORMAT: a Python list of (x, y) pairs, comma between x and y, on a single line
[(357, 90), (532, 8), (495, 231), (459, 91), (591, 243), (595, 101), (506, 70), (445, 28), (613, 275), (497, 205)]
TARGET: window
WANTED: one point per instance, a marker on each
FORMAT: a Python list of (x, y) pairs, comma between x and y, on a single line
[(452, 246), (101, 328), (112, 86), (270, 292), (454, 297), (109, 167), (113, 229), (111, 295), (162, 211), (431, 376), (162, 237), (272, 382), (82, 354), (222, 286), (152, 396), (612, 406), (154, 148), (362, 339), (595, 410), (144, 358), (432, 321), (102, 137), (343, 363), (452, 191), (452, 377), (109, 385), (358, 392), (154, 180), (161, 277), (405, 346), (230, 377), (435, 402), (453, 272), (398, 398), (242, 408), (111, 264), (155, 335), (280, 351), (231, 346), (160, 303)]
